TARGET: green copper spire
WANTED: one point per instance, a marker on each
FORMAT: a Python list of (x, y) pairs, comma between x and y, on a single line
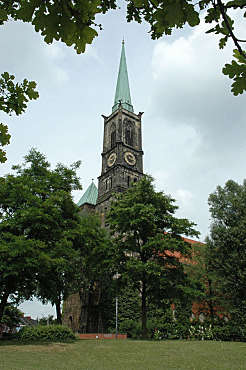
[(90, 196), (122, 93)]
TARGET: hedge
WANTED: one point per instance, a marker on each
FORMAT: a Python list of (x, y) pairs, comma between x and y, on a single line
[(45, 332)]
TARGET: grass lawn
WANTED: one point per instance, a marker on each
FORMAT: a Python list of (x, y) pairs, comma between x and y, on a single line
[(122, 354)]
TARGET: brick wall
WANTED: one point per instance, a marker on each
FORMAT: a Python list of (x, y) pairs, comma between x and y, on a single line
[(102, 336)]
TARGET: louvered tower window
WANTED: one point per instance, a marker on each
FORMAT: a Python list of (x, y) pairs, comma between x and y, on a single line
[(129, 134)]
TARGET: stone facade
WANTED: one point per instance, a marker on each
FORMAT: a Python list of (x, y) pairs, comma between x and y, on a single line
[(122, 155), (81, 312)]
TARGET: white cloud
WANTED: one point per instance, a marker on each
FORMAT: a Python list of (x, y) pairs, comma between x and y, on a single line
[(197, 124), (36, 309), (185, 197)]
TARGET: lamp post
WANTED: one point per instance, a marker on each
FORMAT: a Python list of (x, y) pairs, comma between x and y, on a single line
[(116, 313)]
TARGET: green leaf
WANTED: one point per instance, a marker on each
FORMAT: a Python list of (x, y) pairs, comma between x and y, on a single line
[(223, 42), (4, 135), (239, 85), (174, 14), (5, 75), (232, 69), (193, 18), (33, 95), (3, 15), (236, 3), (138, 3), (27, 9)]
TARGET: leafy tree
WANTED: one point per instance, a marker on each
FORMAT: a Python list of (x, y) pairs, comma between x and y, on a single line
[(11, 315), (13, 98), (226, 246), (38, 216), (92, 245), (20, 261), (148, 243), (73, 22), (49, 320), (92, 265)]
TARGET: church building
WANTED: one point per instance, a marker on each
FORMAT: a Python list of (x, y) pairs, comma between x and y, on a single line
[(122, 163)]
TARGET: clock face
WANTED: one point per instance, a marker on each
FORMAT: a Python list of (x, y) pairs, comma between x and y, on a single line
[(111, 159), (130, 158)]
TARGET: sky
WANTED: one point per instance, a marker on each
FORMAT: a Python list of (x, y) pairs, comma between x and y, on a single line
[(194, 129)]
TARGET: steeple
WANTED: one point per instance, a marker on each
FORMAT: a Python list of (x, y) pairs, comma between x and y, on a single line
[(122, 93), (90, 196)]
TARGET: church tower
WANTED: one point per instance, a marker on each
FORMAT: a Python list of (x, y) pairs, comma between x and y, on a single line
[(122, 155), (122, 163)]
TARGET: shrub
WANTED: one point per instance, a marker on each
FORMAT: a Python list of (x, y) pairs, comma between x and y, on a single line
[(45, 332), (229, 331), (131, 327), (8, 336)]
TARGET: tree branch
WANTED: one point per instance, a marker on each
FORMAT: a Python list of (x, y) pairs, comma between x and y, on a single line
[(235, 40)]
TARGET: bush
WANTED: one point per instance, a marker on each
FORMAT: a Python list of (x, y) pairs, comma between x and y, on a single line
[(229, 331), (45, 332), (8, 336), (131, 327)]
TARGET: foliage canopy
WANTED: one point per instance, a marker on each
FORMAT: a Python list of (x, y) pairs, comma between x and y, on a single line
[(226, 246), (148, 244), (13, 99), (74, 22), (38, 217)]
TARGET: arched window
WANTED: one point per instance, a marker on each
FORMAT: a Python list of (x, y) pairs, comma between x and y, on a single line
[(113, 135), (108, 183), (129, 134), (192, 316)]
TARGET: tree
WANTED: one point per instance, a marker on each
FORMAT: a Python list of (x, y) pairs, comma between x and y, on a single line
[(11, 315), (148, 243), (46, 320), (226, 246), (92, 267), (73, 22), (38, 217), (13, 98), (92, 264), (20, 261)]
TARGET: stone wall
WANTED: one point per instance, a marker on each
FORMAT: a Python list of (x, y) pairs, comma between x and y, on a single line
[(82, 312)]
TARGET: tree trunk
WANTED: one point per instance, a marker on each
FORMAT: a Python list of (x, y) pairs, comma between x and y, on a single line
[(58, 311), (210, 299), (3, 303), (144, 309)]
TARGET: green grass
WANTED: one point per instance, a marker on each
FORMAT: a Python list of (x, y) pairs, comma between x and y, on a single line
[(122, 354)]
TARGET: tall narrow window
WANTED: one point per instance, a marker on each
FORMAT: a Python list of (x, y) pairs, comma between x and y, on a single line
[(113, 135), (128, 181), (108, 183), (129, 134)]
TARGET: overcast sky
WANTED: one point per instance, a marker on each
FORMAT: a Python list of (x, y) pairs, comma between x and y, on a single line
[(194, 129)]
